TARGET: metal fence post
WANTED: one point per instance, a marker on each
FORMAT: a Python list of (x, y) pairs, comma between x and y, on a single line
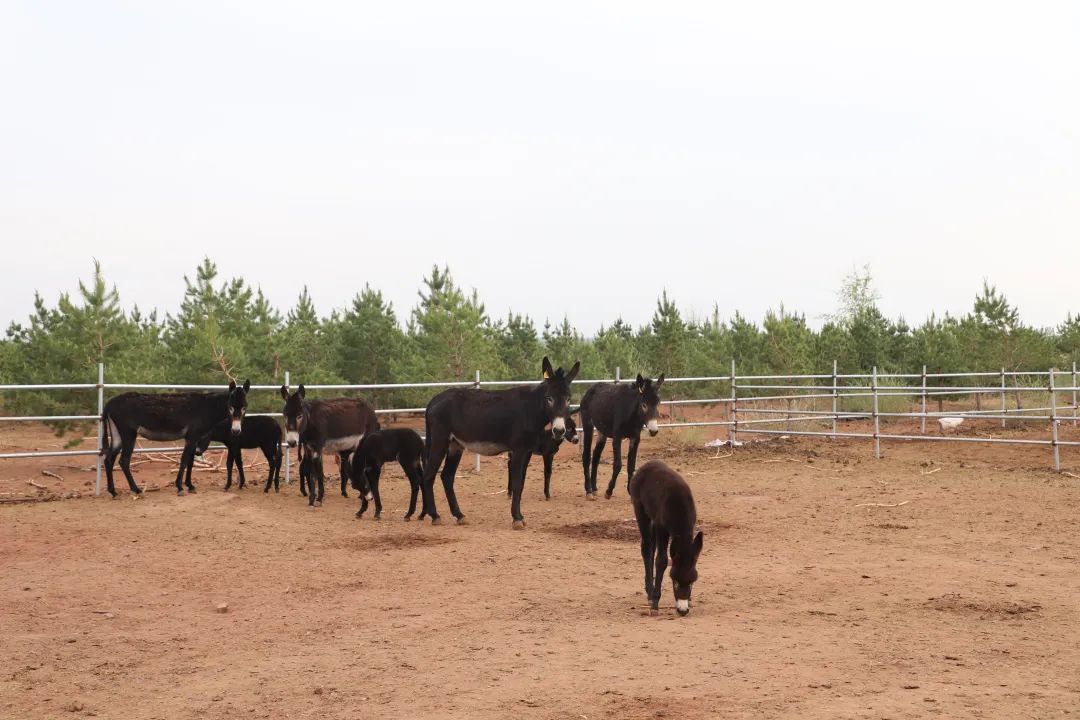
[(877, 420), (1004, 409), (923, 426), (733, 429), (288, 454), (1074, 392), (477, 386), (101, 427), (617, 374), (1053, 424), (835, 399)]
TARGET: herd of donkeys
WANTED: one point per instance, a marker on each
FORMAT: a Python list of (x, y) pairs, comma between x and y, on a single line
[(519, 421)]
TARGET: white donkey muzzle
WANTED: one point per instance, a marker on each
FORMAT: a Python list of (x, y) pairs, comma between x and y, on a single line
[(292, 437), (558, 427), (236, 425), (652, 426)]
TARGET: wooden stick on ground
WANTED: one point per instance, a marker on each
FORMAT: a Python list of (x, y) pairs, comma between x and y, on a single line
[(39, 486), (50, 473), (884, 505)]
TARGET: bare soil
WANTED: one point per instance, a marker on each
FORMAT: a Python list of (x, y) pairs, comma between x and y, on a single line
[(940, 581)]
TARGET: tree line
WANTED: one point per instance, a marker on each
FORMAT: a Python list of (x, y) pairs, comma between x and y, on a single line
[(225, 329)]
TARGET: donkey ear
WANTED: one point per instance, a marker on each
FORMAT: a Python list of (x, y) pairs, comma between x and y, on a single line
[(247, 385), (659, 381), (640, 383), (232, 385), (284, 392), (548, 371), (300, 389), (573, 371), (699, 540)]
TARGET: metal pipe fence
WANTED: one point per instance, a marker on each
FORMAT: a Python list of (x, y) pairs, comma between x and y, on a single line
[(748, 394)]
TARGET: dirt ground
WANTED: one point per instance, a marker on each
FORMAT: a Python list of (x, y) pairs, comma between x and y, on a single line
[(940, 581)]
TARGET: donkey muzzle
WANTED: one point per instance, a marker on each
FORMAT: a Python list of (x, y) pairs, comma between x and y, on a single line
[(653, 427), (292, 437), (558, 427), (682, 607), (236, 426)]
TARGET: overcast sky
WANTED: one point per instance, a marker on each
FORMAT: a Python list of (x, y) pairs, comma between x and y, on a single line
[(568, 158)]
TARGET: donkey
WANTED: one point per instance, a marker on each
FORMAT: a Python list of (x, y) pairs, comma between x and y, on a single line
[(166, 416), (617, 410), (664, 508), (336, 425), (490, 422), (547, 447), (257, 432), (401, 444)]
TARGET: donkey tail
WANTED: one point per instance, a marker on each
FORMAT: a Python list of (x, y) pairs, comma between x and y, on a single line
[(105, 439)]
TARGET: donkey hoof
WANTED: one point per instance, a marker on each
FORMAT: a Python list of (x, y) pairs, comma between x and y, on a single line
[(359, 514), (318, 503), (519, 524), (590, 496), (653, 612), (180, 493), (408, 518), (377, 516), (436, 521), (607, 494), (462, 521), (191, 490)]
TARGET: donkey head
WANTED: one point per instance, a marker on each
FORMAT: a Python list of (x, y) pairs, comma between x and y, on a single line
[(556, 386), (237, 404), (295, 412), (684, 556), (571, 435), (648, 402)]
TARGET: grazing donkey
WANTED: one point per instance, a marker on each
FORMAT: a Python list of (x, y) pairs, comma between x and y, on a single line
[(617, 410), (322, 426), (547, 447), (401, 444), (257, 432), (664, 508), (166, 416), (490, 422)]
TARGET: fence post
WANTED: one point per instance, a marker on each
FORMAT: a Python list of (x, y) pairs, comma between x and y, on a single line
[(877, 421), (923, 428), (618, 376), (100, 427), (835, 396), (1004, 409), (477, 386), (733, 429), (1053, 424), (288, 454), (1074, 392)]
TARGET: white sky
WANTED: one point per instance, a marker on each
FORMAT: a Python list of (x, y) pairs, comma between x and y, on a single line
[(563, 158)]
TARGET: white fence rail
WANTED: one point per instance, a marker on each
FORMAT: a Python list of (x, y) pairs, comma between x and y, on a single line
[(749, 396)]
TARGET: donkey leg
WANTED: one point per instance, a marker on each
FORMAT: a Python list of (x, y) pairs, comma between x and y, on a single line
[(110, 458), (517, 471), (271, 460), (125, 463), (376, 496), (586, 453), (660, 543), (616, 464), (229, 458), (239, 459), (416, 477), (180, 471), (448, 472), (631, 460), (320, 476), (437, 452), (601, 441), (344, 472), (647, 549), (509, 475), (189, 453), (547, 475)]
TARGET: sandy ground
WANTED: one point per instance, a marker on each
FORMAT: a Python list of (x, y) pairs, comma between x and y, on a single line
[(960, 601)]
